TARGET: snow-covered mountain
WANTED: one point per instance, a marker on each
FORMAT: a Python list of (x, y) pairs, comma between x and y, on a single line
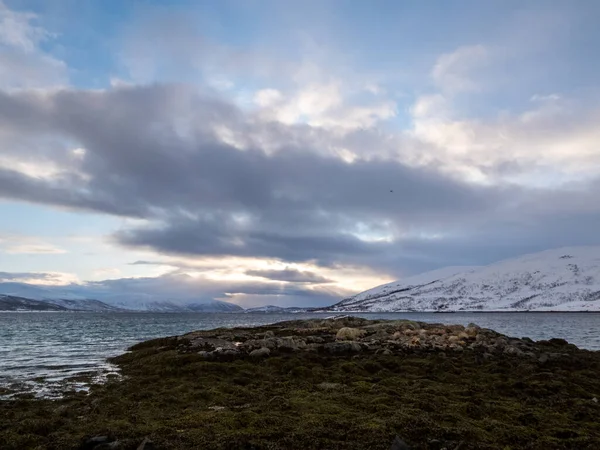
[(91, 298), (12, 303), (58, 300), (82, 304), (566, 279), (272, 309)]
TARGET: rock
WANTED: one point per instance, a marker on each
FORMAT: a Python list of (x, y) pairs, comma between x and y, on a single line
[(543, 359), (342, 347), (147, 444), (271, 343), (329, 386), (290, 343), (480, 337), (472, 330), (226, 351), (512, 351), (269, 334), (454, 328), (435, 444), (217, 408), (210, 344), (349, 334), (410, 325), (387, 352), (501, 343), (205, 355), (595, 400), (260, 353), (399, 444), (93, 442), (355, 347), (108, 446)]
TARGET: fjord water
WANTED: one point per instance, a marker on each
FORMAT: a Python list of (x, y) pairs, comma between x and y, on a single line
[(39, 352)]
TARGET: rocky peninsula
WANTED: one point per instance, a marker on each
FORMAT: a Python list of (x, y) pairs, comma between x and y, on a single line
[(339, 383)]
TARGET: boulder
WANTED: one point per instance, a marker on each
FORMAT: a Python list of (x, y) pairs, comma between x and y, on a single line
[(399, 444), (290, 343), (94, 442), (210, 344), (260, 353), (349, 334), (512, 351), (147, 444), (114, 445), (342, 347)]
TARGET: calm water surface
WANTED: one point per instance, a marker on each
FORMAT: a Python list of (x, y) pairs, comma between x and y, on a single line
[(40, 352)]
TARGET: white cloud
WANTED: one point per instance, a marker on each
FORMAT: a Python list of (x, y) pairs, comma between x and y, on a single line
[(325, 105), (28, 245), (268, 98), (22, 63), (434, 105), (18, 31), (453, 71), (544, 98), (106, 272)]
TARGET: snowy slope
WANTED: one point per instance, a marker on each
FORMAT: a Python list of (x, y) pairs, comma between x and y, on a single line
[(12, 303), (92, 298), (271, 309), (566, 279), (82, 304), (63, 299)]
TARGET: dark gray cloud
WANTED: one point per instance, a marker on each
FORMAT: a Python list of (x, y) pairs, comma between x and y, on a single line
[(157, 153), (293, 275)]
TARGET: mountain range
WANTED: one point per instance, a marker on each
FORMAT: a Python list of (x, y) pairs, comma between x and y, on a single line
[(566, 279), (14, 297)]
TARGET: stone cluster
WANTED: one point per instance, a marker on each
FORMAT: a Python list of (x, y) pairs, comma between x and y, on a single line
[(352, 335)]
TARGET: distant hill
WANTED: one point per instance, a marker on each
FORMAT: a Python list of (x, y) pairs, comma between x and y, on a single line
[(566, 279), (84, 298), (11, 303)]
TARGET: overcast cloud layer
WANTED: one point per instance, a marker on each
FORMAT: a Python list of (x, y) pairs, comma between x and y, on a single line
[(303, 183)]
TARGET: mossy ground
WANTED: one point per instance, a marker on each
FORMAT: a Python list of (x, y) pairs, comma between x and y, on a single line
[(312, 401)]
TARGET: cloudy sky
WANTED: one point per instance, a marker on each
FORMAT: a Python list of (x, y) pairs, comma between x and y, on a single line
[(292, 152)]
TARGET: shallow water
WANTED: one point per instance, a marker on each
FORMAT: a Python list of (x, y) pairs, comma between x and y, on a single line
[(39, 352)]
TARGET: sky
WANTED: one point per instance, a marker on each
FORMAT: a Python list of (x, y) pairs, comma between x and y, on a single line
[(291, 153)]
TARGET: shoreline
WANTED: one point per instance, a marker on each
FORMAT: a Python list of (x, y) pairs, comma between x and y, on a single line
[(495, 311), (323, 383)]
